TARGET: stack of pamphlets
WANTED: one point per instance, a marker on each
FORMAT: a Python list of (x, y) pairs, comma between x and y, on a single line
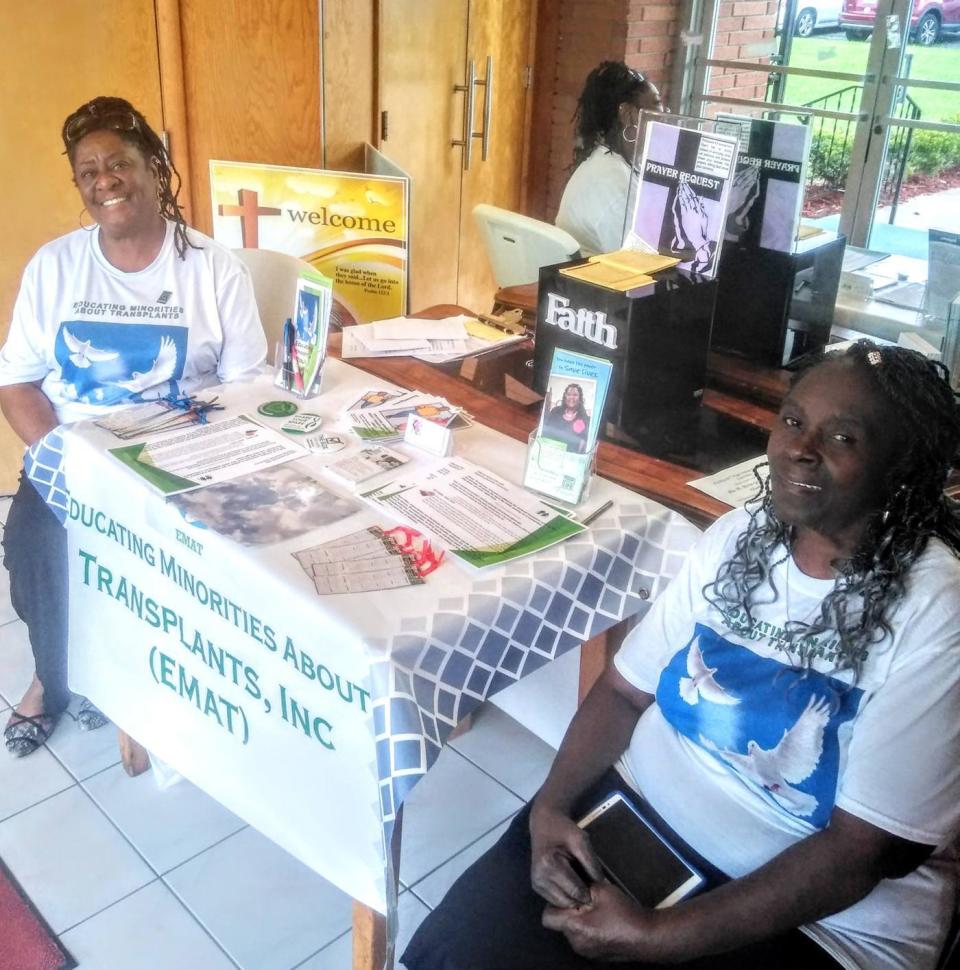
[(767, 190), (305, 336), (623, 270), (366, 464), (435, 341), (560, 453), (681, 200), (382, 416)]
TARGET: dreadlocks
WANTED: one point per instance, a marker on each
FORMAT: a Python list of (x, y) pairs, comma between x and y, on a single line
[(606, 88), (118, 115), (869, 584)]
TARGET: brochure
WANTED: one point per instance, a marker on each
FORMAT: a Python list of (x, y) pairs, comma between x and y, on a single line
[(481, 518), (178, 461), (365, 464), (767, 191), (574, 401), (682, 194), (735, 485)]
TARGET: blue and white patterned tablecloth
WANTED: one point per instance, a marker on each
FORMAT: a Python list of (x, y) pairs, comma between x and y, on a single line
[(427, 656)]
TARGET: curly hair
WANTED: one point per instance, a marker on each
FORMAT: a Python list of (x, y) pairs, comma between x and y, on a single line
[(118, 115), (871, 582), (607, 86)]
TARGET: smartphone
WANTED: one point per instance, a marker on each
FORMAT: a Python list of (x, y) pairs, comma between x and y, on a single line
[(636, 857)]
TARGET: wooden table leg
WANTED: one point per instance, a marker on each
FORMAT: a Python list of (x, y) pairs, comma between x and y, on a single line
[(134, 755), (369, 938), (596, 653)]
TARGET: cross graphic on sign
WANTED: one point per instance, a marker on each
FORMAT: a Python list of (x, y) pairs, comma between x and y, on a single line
[(249, 211)]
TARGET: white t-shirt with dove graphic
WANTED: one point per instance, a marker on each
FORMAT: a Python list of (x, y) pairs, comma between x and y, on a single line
[(743, 754), (98, 338)]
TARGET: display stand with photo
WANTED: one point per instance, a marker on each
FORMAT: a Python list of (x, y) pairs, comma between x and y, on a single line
[(561, 453), (300, 355)]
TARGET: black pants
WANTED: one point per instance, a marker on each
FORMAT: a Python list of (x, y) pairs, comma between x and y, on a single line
[(35, 553), (490, 918)]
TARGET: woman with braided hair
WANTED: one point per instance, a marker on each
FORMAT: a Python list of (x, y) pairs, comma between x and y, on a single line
[(785, 714), (131, 308), (594, 203)]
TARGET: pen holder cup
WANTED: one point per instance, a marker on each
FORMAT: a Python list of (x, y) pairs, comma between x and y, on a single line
[(555, 473), (286, 374)]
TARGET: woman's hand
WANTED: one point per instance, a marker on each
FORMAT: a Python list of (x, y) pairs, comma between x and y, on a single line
[(610, 927), (556, 841)]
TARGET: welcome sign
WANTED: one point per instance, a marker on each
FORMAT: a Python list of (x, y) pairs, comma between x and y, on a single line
[(353, 227)]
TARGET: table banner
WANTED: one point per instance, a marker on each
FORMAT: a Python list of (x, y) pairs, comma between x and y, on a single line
[(309, 716)]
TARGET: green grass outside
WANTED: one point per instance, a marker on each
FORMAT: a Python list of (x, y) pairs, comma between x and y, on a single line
[(835, 53)]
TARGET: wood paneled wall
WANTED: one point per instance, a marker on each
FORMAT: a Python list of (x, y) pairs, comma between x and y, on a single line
[(56, 57)]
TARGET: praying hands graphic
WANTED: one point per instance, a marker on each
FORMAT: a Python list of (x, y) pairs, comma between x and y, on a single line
[(743, 193), (690, 227)]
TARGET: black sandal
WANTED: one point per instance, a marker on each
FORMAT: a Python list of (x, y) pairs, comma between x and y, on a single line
[(25, 734)]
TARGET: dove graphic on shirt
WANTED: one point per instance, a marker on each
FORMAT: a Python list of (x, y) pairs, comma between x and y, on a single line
[(790, 762), (162, 370), (701, 683), (83, 353)]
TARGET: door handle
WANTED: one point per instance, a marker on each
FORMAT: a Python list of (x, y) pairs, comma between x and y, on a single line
[(469, 88), (484, 135)]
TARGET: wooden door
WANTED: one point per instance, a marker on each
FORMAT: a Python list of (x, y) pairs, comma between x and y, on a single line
[(504, 31), (251, 80), (56, 57), (422, 57)]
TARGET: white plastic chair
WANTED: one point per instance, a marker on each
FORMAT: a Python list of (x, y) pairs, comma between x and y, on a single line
[(274, 286), (518, 245)]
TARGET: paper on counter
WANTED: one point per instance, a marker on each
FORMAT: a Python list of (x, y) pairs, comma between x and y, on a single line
[(735, 485), (413, 328)]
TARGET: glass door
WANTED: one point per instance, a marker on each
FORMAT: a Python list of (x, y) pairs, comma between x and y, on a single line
[(878, 83)]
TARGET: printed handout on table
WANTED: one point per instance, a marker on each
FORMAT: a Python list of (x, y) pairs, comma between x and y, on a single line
[(206, 454), (735, 485)]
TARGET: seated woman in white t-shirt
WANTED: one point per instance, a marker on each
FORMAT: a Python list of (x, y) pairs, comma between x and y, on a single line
[(131, 308), (787, 711), (594, 201)]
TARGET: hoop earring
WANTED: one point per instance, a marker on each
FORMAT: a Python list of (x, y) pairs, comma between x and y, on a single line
[(636, 131), (82, 226)]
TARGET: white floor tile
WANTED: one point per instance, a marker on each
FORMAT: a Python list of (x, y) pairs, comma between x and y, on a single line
[(451, 807), (338, 955), (6, 608), (25, 781), (16, 662), (167, 826), (266, 909), (69, 859), (149, 930), (434, 887), (502, 747), (546, 701), (84, 753)]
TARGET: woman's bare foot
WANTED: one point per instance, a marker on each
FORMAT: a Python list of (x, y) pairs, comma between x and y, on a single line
[(31, 704)]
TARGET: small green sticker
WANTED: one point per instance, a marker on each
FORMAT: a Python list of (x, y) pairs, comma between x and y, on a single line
[(277, 409), (303, 423)]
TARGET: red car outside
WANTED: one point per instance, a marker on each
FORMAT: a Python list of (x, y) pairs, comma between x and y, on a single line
[(931, 19)]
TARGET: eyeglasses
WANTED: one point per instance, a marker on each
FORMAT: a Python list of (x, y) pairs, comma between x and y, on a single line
[(83, 124)]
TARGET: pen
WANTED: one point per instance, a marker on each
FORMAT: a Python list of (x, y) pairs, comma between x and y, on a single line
[(288, 337), (597, 513)]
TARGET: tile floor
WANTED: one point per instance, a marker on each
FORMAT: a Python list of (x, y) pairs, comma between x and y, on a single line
[(135, 878)]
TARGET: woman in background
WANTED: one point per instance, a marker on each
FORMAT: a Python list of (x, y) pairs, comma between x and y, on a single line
[(594, 203), (131, 308)]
